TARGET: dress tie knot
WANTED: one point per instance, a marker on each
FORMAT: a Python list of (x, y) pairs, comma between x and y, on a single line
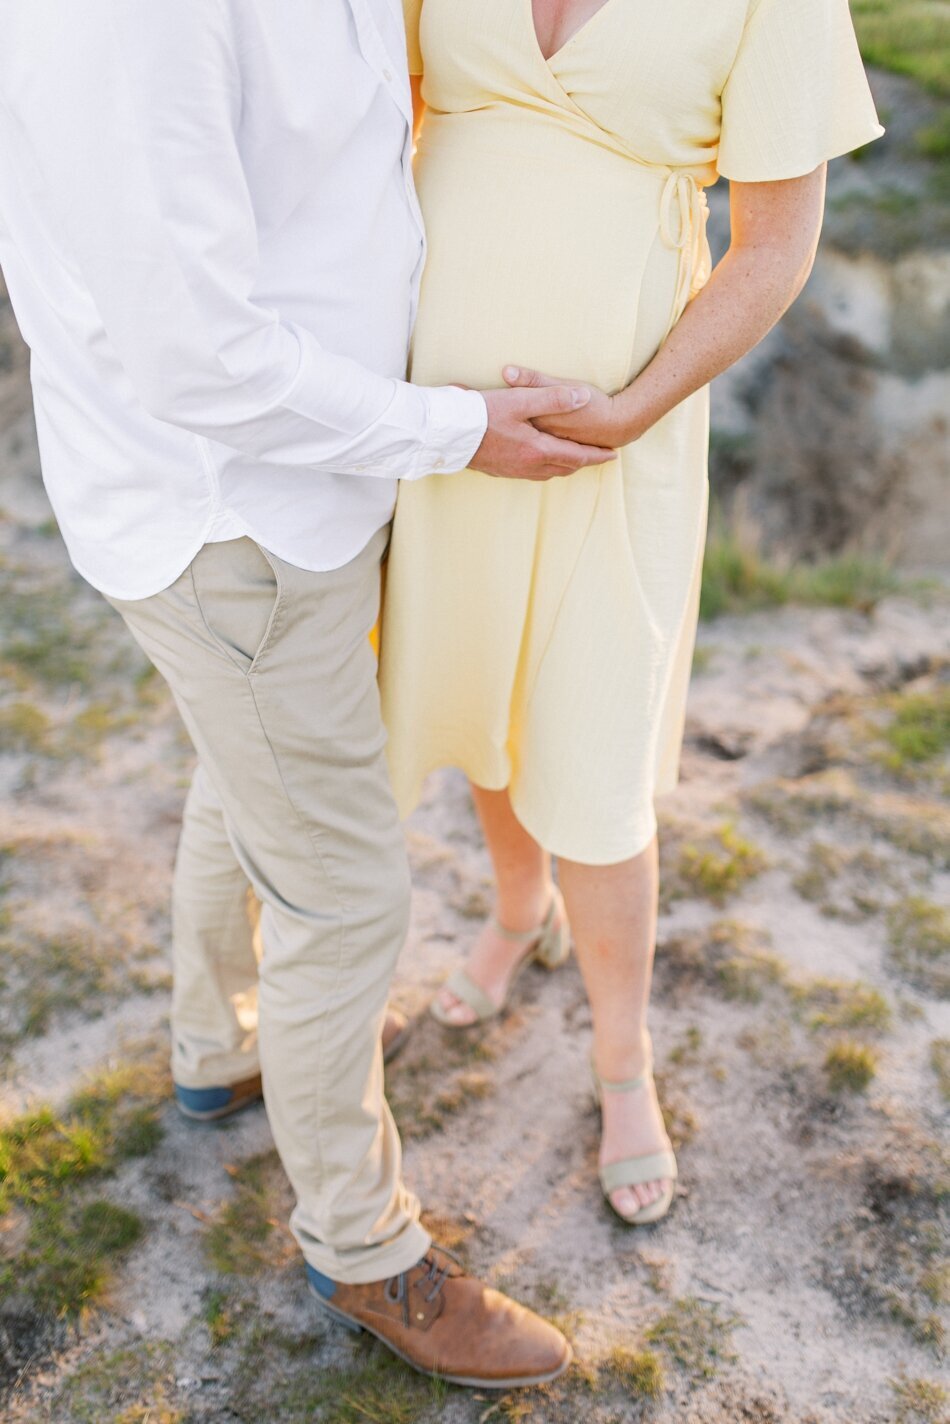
[(683, 197)]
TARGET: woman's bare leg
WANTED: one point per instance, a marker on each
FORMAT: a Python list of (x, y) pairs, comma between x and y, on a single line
[(613, 913), (523, 896)]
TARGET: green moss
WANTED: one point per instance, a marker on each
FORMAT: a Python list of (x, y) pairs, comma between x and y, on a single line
[(696, 1335), (850, 1066), (919, 937)]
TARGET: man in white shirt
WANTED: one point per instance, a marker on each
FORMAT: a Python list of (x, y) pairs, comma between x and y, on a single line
[(213, 248)]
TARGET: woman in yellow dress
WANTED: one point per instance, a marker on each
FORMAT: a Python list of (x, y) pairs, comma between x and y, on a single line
[(539, 636)]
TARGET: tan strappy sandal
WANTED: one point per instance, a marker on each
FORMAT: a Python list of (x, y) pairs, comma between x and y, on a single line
[(549, 945), (634, 1171)]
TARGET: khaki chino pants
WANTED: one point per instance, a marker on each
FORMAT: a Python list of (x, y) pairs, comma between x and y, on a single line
[(274, 676)]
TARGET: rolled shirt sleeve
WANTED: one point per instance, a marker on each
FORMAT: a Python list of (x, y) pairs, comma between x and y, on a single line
[(144, 168)]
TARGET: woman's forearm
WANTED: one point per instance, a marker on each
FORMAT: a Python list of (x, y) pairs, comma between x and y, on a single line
[(748, 292), (775, 230)]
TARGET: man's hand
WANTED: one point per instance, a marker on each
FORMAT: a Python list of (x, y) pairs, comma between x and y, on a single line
[(515, 449), (598, 422)]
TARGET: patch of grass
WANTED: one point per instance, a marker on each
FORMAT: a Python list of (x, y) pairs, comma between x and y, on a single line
[(58, 974), (696, 1335), (46, 1157), (69, 1253), (919, 730), (920, 1401), (910, 37), (842, 1004), (640, 1373), (112, 1118), (919, 938), (850, 1066), (373, 1387), (844, 883), (848, 581), (719, 866), (24, 728), (217, 1315), (239, 1242), (833, 796), (432, 1087), (737, 578), (887, 1261), (731, 957), (743, 966), (130, 1386), (934, 141), (940, 1063), (90, 728)]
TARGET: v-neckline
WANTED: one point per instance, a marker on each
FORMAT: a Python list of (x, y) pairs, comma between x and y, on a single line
[(548, 59)]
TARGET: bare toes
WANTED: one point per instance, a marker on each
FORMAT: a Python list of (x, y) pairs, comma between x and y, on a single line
[(455, 1010), (625, 1202)]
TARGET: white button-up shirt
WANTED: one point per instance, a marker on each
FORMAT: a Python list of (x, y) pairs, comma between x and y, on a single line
[(213, 247)]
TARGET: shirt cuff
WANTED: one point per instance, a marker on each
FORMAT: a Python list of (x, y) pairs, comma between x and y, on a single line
[(455, 427)]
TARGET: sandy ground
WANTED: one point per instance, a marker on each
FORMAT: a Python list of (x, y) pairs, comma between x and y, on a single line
[(794, 1279)]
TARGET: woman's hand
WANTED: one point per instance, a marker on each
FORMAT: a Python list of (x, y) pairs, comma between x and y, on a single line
[(597, 423)]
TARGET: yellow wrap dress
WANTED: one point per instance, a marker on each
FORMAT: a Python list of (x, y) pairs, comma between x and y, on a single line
[(540, 636)]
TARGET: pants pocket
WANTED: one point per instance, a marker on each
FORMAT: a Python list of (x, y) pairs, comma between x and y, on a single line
[(238, 591)]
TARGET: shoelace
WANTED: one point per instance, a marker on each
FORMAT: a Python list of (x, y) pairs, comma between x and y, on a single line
[(430, 1282)]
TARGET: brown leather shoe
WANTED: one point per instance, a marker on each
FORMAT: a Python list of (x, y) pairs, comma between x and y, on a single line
[(211, 1104), (445, 1323)]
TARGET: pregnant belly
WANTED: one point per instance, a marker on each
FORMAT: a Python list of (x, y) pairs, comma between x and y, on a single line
[(544, 250)]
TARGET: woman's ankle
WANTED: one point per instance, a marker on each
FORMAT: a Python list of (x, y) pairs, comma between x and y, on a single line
[(620, 1056), (522, 906)]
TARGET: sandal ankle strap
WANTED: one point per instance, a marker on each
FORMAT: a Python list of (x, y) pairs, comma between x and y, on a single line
[(527, 936), (628, 1085)]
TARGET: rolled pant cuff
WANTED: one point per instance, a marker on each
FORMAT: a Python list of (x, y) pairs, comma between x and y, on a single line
[(376, 1263)]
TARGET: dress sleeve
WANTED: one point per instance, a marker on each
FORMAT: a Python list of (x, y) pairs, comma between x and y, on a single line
[(412, 9), (797, 93)]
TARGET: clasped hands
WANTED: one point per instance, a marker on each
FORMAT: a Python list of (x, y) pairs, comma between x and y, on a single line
[(542, 427)]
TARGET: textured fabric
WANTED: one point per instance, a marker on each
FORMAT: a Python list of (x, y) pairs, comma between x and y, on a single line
[(273, 673), (213, 247), (540, 637)]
